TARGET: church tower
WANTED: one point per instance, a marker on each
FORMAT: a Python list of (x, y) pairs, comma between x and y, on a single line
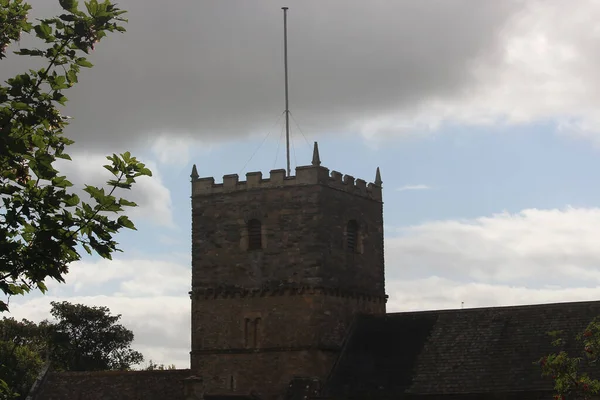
[(280, 266)]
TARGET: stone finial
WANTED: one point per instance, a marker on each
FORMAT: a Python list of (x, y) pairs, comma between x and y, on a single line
[(194, 174), (316, 161), (378, 181)]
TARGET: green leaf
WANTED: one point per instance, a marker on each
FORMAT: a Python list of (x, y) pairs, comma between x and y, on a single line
[(62, 100), (68, 17), (29, 52), (127, 203), (43, 31), (146, 172), (82, 62), (92, 7), (61, 181), (97, 194), (63, 156), (42, 287), (87, 248), (126, 222), (19, 106), (72, 76), (59, 82), (68, 5), (112, 169)]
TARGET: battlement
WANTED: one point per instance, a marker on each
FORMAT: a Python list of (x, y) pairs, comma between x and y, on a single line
[(305, 175)]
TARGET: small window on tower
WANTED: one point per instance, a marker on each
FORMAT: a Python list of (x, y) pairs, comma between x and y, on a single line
[(352, 236), (254, 234)]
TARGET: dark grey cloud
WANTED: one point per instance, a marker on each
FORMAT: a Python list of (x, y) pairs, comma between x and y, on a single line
[(214, 68)]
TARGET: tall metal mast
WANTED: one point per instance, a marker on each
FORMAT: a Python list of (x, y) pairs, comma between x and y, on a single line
[(287, 107)]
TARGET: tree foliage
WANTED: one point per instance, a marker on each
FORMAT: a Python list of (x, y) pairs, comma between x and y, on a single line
[(82, 338), (570, 382), (90, 339), (23, 347), (20, 367), (43, 224), (158, 367)]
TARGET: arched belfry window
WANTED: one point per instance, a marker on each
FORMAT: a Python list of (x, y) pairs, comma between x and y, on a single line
[(352, 236), (254, 234)]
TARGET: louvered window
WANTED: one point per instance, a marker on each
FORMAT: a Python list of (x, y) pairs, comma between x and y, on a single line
[(352, 236), (254, 235)]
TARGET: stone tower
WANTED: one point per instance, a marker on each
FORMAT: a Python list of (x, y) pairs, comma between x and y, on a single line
[(280, 267)]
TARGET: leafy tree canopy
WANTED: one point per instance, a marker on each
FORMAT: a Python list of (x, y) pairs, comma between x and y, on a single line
[(91, 339), (82, 338), (569, 372), (19, 369), (43, 224)]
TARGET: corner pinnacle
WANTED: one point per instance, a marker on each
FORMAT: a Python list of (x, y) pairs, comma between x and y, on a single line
[(194, 174), (316, 161), (378, 181)]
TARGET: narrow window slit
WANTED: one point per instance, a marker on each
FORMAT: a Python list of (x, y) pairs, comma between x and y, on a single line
[(254, 234), (351, 236)]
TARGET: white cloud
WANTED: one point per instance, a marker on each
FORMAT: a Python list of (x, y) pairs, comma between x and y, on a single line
[(151, 195), (533, 248), (133, 277), (435, 293), (151, 295), (171, 149), (413, 187), (534, 256)]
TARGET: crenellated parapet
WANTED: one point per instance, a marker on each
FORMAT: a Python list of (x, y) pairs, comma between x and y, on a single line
[(313, 174)]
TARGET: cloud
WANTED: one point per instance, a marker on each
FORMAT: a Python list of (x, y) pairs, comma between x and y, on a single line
[(533, 248), (151, 195), (413, 187), (435, 293), (215, 72), (543, 70), (533, 256), (131, 277), (158, 323), (207, 70), (172, 150), (151, 295)]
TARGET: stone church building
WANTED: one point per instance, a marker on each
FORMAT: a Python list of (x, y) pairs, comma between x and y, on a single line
[(288, 302)]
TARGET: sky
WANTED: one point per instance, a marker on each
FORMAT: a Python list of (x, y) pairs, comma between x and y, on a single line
[(481, 115)]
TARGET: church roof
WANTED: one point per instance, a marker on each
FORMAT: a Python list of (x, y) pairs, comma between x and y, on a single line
[(113, 385), (464, 351)]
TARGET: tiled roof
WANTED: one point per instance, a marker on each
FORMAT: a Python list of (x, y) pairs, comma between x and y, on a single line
[(480, 350), (114, 385)]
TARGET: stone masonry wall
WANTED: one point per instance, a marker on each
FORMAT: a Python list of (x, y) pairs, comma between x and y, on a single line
[(114, 385), (262, 317), (298, 335), (291, 251), (303, 234), (361, 271), (237, 374), (309, 320)]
